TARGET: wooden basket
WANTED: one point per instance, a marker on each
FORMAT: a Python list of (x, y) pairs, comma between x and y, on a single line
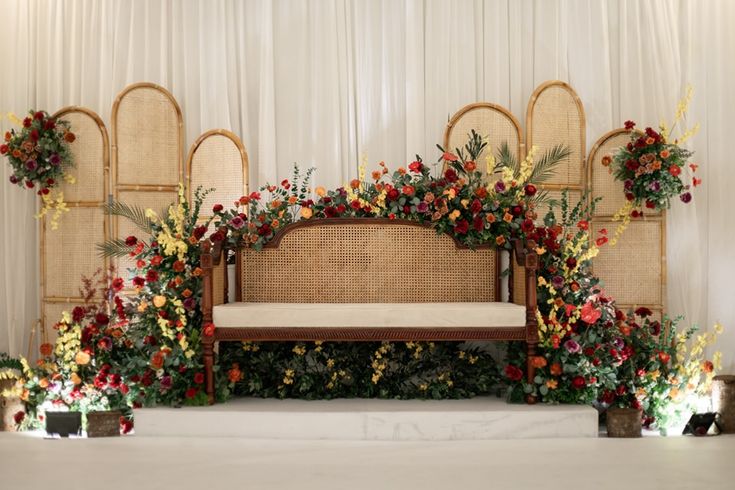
[(624, 422), (103, 423)]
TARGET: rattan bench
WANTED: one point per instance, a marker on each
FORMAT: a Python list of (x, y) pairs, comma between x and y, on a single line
[(366, 279)]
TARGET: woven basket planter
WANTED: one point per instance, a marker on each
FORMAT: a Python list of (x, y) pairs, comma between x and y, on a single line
[(103, 424), (623, 422), (723, 401)]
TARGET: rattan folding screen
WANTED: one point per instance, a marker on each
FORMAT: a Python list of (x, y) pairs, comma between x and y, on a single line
[(69, 252), (634, 270), (555, 115), (218, 160), (147, 152)]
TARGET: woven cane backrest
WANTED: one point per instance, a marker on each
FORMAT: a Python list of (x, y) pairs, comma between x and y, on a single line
[(367, 261)]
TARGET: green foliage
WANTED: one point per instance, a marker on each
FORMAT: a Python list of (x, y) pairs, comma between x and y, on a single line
[(309, 370)]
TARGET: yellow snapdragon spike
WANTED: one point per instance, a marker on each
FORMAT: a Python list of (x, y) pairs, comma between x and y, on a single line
[(14, 119), (718, 328)]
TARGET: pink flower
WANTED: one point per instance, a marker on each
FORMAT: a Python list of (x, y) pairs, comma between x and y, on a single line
[(590, 314), (572, 346)]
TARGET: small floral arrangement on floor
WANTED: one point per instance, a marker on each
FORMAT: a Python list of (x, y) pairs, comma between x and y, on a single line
[(661, 369), (575, 316), (654, 168), (463, 200), (40, 158)]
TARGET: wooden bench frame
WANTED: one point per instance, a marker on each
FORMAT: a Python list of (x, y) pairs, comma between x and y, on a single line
[(213, 256)]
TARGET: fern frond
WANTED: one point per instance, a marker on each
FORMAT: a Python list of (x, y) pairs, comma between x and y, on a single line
[(134, 214), (114, 248)]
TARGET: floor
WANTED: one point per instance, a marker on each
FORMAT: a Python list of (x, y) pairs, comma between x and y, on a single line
[(137, 462)]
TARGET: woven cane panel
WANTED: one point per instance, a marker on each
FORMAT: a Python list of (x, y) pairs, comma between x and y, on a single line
[(489, 122), (69, 251), (631, 271), (519, 283), (219, 275), (217, 163), (89, 151), (557, 119), (147, 138), (367, 263), (158, 201)]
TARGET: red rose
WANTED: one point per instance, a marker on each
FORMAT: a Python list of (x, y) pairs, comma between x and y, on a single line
[(601, 241), (607, 397), (34, 135), (416, 167), (27, 122), (217, 208), (643, 312), (527, 226), (77, 314), (151, 276), (38, 116), (571, 262), (513, 373), (632, 165), (19, 417), (101, 319), (478, 224), (589, 351), (650, 204), (131, 241), (578, 382), (530, 190), (138, 282), (199, 378), (620, 390), (217, 237), (476, 206), (516, 210), (4, 149), (208, 329), (408, 190), (191, 393), (664, 357), (49, 125), (126, 425), (117, 284), (462, 227), (179, 266), (124, 389), (481, 192), (451, 175), (629, 125), (393, 194), (341, 208), (674, 170), (30, 184)]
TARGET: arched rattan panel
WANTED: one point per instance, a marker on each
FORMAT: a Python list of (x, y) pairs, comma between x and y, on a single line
[(69, 252)]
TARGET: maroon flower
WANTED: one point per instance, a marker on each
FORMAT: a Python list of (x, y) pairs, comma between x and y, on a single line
[(571, 262), (217, 237), (655, 327), (264, 230), (105, 343), (451, 175), (217, 208), (191, 393), (629, 125), (131, 241), (77, 314), (478, 223), (199, 232), (499, 187), (643, 312), (19, 416), (199, 378), (527, 226), (530, 190), (578, 382), (138, 282), (632, 165), (686, 197), (393, 194), (462, 227), (151, 276), (101, 319), (513, 373), (476, 206)]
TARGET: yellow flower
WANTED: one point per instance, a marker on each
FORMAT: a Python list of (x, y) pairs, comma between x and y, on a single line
[(330, 363), (76, 379), (299, 350), (159, 301), (423, 387), (454, 214), (718, 328), (306, 213), (321, 191)]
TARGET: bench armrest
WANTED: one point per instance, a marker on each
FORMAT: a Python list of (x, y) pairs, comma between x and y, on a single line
[(527, 258), (213, 262)]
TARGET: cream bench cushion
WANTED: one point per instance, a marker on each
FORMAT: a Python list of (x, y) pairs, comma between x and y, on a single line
[(367, 315)]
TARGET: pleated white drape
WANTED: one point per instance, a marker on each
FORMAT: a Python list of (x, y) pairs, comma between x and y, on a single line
[(324, 82)]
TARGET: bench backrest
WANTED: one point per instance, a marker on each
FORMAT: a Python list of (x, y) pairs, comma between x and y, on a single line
[(366, 261)]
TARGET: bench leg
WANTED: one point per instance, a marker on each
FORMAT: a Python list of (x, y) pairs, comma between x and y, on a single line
[(530, 369), (208, 347)]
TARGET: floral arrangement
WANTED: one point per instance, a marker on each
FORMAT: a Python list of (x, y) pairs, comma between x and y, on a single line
[(40, 158), (78, 372), (653, 167), (575, 316), (661, 369), (458, 198)]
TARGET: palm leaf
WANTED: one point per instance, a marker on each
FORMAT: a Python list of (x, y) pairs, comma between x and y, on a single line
[(506, 158), (135, 214), (114, 248), (543, 170)]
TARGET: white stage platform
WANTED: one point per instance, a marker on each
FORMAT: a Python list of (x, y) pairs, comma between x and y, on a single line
[(376, 420)]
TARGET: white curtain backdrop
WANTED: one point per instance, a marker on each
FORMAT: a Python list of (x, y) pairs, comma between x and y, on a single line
[(324, 82)]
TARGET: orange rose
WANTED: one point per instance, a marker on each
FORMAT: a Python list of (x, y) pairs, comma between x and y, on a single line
[(43, 383), (355, 184), (157, 360), (508, 217), (292, 200), (538, 361), (650, 141), (665, 154), (82, 358), (306, 213), (234, 374), (197, 272), (46, 349), (179, 266), (377, 174), (708, 367), (555, 369), (76, 379), (490, 218), (500, 240), (606, 160), (186, 293), (69, 137), (470, 166)]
